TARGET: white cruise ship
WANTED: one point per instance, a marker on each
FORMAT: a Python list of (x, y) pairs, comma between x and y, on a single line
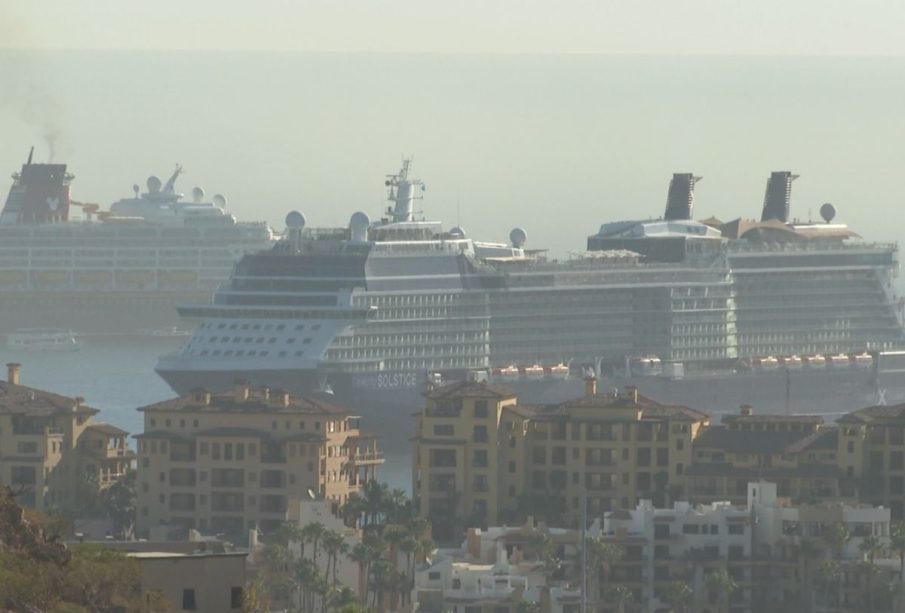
[(371, 311), (118, 270)]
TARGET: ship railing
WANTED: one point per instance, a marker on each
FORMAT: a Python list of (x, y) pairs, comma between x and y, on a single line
[(744, 247)]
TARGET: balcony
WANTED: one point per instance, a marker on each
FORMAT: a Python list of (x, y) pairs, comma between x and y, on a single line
[(273, 479), (228, 477), (369, 457)]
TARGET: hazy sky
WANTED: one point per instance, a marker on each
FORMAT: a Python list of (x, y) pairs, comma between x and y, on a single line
[(556, 143), (845, 27)]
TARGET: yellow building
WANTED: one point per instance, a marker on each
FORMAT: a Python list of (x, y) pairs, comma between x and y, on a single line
[(796, 452), (479, 456), (50, 446), (230, 462), (871, 452)]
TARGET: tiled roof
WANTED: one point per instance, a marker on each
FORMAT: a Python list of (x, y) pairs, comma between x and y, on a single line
[(650, 409), (108, 429), (471, 389), (748, 441), (786, 419), (255, 403), (874, 414), (763, 472), (24, 400)]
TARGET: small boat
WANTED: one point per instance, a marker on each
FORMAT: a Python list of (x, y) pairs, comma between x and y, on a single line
[(509, 373), (559, 371), (815, 361), (534, 373), (792, 362), (766, 363), (43, 339), (861, 360), (840, 360), (172, 332), (646, 366)]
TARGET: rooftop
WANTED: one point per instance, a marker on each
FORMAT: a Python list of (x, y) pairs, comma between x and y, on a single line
[(471, 389), (257, 400), (762, 441), (875, 414), (24, 400)]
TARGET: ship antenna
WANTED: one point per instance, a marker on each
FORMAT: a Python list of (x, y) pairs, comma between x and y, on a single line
[(30, 154)]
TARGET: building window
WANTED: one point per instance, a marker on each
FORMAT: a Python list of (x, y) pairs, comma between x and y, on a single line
[(188, 600), (480, 408), (511, 467), (235, 597), (444, 430), (203, 448), (480, 434)]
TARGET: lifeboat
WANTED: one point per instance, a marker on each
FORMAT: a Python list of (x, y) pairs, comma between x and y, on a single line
[(649, 365), (93, 277), (560, 371), (767, 363), (792, 362), (509, 373), (533, 373), (838, 361), (815, 362), (54, 277), (861, 360), (11, 277), (180, 277), (137, 277)]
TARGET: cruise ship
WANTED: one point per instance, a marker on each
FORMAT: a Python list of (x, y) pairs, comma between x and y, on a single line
[(113, 271), (708, 313)]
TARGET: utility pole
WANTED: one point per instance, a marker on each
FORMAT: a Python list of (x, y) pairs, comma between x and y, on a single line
[(584, 552)]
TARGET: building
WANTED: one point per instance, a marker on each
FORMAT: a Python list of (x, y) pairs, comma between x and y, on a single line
[(243, 460), (207, 582), (871, 452), (797, 452), (497, 570), (50, 445), (761, 546), (478, 454)]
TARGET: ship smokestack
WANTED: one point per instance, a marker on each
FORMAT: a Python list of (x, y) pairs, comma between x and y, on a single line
[(31, 154), (680, 197), (778, 196)]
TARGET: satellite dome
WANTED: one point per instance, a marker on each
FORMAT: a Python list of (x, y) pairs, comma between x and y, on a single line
[(295, 219), (197, 194), (154, 184), (828, 212), (220, 200), (359, 224), (518, 237), (457, 232)]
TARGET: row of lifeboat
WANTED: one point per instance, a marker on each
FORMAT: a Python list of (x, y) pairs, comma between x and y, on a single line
[(814, 362), (534, 372)]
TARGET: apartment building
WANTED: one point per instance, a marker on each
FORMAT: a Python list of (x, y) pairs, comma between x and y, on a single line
[(758, 544), (478, 453), (797, 452), (50, 445), (871, 452), (231, 462)]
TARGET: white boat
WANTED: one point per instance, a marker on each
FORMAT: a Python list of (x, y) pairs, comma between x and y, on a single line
[(535, 372), (172, 332), (44, 339), (509, 373), (559, 371)]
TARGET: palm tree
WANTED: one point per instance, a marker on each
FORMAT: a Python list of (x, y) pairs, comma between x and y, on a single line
[(835, 536), (619, 595), (374, 497), (828, 576), (334, 545), (720, 585), (679, 595), (806, 552), (313, 533), (601, 557), (353, 510)]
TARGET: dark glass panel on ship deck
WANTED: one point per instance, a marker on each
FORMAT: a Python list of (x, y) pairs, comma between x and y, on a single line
[(307, 265)]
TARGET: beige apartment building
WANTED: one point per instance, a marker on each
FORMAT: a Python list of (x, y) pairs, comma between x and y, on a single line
[(478, 453), (227, 463), (50, 445)]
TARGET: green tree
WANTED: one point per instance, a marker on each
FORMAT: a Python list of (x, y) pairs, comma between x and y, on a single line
[(254, 598), (806, 553), (118, 503), (619, 596), (721, 586), (679, 595), (828, 577)]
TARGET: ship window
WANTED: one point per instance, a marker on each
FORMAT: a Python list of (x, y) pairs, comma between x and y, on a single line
[(204, 352), (221, 326), (240, 353), (282, 354), (216, 352), (225, 339), (259, 339), (281, 327), (251, 353), (256, 327), (300, 327), (248, 339), (263, 353), (268, 327), (271, 340), (245, 326), (233, 326), (299, 354), (230, 352), (289, 341), (236, 339), (306, 341), (316, 327)]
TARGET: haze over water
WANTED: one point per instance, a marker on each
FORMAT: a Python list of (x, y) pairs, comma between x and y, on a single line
[(557, 143)]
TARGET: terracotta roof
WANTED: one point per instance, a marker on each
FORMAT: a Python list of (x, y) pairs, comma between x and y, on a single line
[(471, 389), (763, 472), (757, 441), (875, 413), (108, 429), (255, 403), (650, 409), (802, 419), (24, 400)]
